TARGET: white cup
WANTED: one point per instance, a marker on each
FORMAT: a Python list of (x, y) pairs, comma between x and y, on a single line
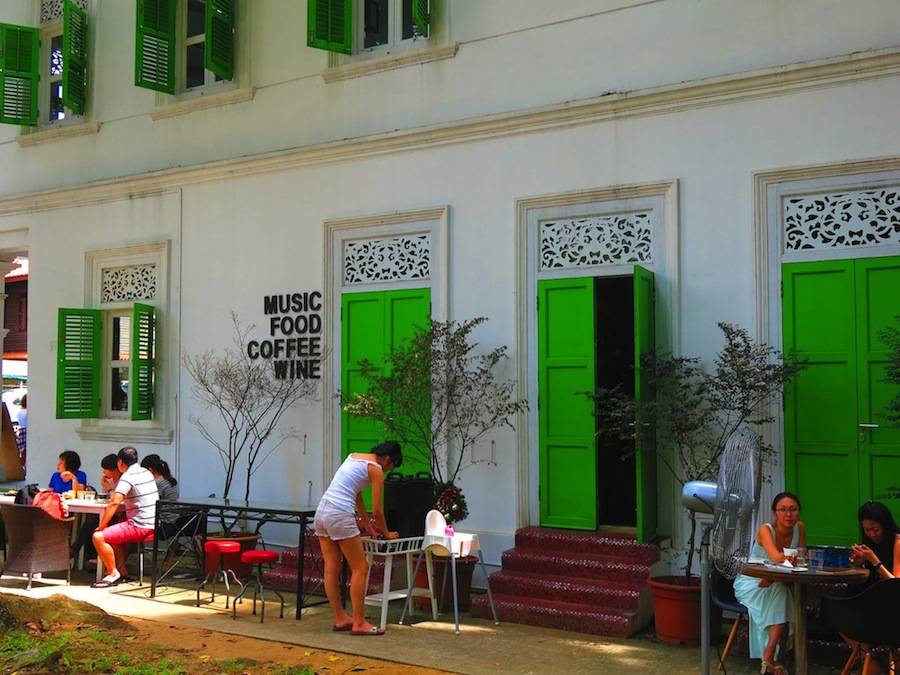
[(790, 555)]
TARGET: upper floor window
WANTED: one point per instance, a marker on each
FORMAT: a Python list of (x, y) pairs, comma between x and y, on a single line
[(353, 26), (43, 72), (184, 45)]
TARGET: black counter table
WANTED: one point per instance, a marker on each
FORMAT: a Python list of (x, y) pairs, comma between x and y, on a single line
[(230, 512)]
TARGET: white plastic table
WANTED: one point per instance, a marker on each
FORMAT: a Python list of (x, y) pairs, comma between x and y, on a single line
[(407, 547), (459, 545)]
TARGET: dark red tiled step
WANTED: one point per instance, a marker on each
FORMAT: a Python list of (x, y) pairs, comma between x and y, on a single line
[(551, 614), (624, 596), (603, 542), (580, 565)]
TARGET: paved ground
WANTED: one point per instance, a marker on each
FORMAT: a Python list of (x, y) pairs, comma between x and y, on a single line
[(481, 646)]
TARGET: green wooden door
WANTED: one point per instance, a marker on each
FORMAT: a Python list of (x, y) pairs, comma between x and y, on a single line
[(644, 343), (372, 324), (566, 369), (834, 460)]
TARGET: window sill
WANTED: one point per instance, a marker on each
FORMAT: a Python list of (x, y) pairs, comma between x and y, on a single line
[(390, 62), (203, 103), (58, 134), (123, 432)]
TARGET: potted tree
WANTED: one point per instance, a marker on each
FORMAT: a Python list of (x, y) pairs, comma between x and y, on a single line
[(248, 401), (438, 396), (691, 416)]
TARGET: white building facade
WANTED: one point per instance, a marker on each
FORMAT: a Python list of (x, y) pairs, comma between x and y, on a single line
[(518, 146)]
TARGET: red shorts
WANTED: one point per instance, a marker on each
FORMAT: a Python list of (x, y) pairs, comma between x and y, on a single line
[(125, 532)]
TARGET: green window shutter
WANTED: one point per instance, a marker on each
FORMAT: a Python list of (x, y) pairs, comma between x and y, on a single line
[(78, 364), (420, 16), (219, 52), (143, 331), (19, 65), (154, 61), (74, 77), (329, 24)]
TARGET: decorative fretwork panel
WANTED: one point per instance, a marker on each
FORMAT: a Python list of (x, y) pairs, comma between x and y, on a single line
[(389, 259), (842, 219), (125, 284), (595, 241), (53, 9)]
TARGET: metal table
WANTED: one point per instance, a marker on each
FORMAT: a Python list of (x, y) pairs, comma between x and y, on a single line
[(232, 511), (800, 580)]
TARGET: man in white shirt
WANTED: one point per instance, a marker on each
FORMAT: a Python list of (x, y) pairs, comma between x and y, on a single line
[(137, 490)]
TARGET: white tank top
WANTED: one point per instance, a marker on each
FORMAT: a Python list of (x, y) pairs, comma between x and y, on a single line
[(351, 478)]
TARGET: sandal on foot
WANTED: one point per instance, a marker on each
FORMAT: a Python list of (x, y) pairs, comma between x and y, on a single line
[(106, 582), (766, 667), (341, 629), (780, 669), (374, 630)]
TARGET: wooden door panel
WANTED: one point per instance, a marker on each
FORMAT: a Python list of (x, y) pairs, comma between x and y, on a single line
[(566, 369)]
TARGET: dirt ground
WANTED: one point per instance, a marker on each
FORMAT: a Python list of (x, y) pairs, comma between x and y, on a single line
[(198, 643), (131, 641)]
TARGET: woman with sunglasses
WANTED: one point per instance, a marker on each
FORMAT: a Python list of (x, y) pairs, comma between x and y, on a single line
[(769, 603)]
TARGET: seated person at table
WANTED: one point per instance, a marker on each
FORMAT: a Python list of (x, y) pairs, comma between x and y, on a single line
[(879, 550), (110, 474), (67, 475), (769, 603), (168, 490), (137, 491)]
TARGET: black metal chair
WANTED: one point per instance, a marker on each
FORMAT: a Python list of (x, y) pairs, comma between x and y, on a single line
[(722, 596), (869, 619)]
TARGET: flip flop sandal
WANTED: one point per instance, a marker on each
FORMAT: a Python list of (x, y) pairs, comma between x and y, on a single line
[(341, 629), (103, 583), (374, 630)]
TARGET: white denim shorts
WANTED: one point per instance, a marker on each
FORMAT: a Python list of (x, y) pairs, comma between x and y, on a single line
[(333, 523)]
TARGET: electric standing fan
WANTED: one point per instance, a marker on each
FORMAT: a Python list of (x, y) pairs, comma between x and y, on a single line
[(732, 500), (737, 496)]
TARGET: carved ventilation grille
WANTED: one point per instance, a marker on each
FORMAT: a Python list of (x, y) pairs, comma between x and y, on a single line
[(842, 220), (53, 9), (121, 284), (393, 259), (596, 241)]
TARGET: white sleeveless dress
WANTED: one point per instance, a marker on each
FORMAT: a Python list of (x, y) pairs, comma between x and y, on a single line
[(767, 606)]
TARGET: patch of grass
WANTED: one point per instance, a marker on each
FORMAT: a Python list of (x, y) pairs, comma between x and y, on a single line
[(94, 651)]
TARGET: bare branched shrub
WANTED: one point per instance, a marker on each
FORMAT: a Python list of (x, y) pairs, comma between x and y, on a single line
[(250, 402)]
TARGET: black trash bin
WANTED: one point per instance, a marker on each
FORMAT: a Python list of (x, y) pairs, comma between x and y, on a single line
[(407, 500)]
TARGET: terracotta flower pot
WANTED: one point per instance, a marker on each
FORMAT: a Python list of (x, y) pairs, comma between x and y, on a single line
[(676, 609), (465, 567)]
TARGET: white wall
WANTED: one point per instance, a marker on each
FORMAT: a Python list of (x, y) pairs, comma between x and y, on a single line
[(236, 239)]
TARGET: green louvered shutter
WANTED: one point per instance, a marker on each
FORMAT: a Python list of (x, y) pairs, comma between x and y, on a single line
[(19, 65), (420, 16), (329, 24), (74, 76), (142, 335), (219, 52), (78, 364), (154, 61)]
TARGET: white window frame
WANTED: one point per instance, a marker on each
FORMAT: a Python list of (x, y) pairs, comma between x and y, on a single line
[(395, 38), (119, 427)]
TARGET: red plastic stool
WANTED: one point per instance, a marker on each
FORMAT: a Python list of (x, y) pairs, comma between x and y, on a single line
[(220, 546), (259, 558)]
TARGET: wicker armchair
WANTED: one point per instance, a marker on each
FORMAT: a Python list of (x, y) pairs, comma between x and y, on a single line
[(38, 542)]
